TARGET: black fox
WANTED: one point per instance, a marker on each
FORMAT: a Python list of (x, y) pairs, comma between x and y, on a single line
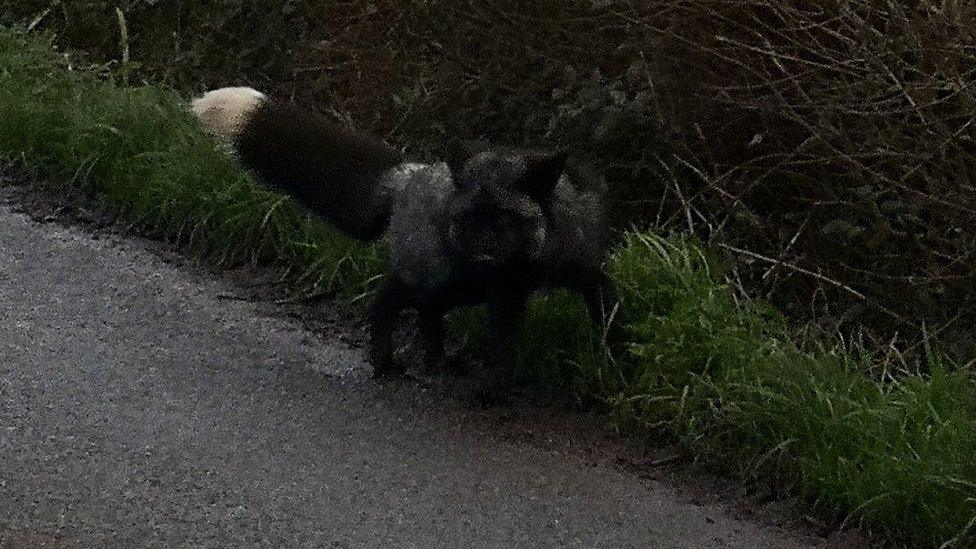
[(490, 226)]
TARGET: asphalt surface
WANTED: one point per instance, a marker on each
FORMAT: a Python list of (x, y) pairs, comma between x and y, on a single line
[(138, 408)]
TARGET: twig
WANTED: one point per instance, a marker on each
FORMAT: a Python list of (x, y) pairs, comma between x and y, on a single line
[(786, 250), (681, 197), (819, 277)]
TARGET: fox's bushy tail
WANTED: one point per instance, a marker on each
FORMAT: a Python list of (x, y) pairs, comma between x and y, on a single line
[(330, 170)]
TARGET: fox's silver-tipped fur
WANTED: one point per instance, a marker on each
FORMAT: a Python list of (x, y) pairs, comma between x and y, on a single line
[(225, 112), (488, 226)]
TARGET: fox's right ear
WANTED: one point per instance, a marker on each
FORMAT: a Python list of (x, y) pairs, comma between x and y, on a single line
[(458, 154), (456, 159), (543, 171)]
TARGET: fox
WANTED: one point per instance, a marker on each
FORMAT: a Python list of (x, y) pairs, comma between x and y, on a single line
[(488, 225)]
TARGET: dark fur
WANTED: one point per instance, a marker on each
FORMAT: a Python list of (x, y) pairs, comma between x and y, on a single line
[(330, 170), (492, 227)]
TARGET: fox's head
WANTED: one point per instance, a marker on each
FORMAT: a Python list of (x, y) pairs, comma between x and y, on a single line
[(498, 213)]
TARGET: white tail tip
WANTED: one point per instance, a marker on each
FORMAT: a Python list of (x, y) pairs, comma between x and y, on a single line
[(225, 112)]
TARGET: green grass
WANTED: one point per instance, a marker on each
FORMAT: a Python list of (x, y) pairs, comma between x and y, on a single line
[(728, 381), (140, 148), (723, 378)]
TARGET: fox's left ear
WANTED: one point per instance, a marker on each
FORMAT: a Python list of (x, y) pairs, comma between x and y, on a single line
[(543, 171), (458, 154), (456, 157)]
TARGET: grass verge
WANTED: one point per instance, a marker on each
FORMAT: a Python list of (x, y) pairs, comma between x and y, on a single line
[(724, 378), (139, 148)]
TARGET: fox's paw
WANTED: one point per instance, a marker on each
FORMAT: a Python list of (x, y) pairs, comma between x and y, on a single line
[(498, 389), (449, 364), (456, 365), (387, 369)]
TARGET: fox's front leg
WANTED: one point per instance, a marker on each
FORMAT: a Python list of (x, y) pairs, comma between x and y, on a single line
[(505, 312), (431, 325), (383, 318)]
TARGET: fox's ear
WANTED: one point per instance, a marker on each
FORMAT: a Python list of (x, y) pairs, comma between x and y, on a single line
[(455, 159), (458, 154), (543, 171)]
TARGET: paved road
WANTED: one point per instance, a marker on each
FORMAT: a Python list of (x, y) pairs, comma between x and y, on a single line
[(137, 408)]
